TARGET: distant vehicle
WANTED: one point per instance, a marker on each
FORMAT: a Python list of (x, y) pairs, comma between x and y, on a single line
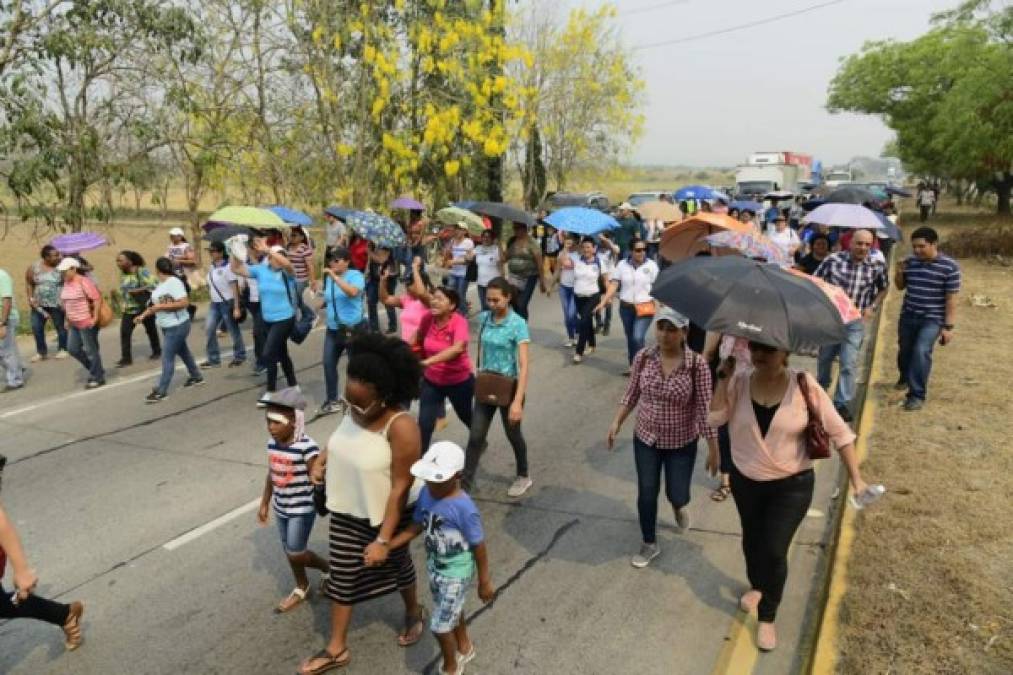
[(839, 177), (766, 172), (638, 198), (590, 200)]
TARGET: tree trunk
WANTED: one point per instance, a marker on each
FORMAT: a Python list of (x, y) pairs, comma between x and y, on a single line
[(1003, 186)]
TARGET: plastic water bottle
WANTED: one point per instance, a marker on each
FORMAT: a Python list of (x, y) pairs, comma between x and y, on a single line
[(867, 496)]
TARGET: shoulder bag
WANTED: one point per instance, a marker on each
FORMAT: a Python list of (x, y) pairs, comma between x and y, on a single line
[(242, 305), (492, 388), (105, 310), (817, 440), (303, 320)]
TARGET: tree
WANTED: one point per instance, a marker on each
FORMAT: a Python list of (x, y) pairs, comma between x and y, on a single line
[(945, 94), (533, 175)]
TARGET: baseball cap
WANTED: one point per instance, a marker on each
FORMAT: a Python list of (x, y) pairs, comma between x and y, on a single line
[(68, 263), (441, 462), (177, 232), (289, 397), (670, 315)]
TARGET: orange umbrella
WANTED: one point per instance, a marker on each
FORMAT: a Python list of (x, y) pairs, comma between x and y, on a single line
[(837, 295), (684, 239)]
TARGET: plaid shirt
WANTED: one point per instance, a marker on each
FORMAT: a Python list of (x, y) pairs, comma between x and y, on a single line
[(861, 281), (673, 409)]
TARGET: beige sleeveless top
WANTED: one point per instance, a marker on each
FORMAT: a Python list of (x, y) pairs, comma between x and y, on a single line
[(358, 475)]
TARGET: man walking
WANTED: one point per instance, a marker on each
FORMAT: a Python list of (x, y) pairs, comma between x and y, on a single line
[(865, 281), (931, 282), (10, 360), (926, 203)]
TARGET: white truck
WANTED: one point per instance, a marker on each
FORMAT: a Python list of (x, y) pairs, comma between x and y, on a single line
[(837, 177), (766, 172)]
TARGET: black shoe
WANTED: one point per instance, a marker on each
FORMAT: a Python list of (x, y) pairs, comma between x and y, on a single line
[(154, 397), (123, 363), (234, 363), (155, 356), (605, 331), (209, 364), (194, 381), (913, 404), (845, 414)]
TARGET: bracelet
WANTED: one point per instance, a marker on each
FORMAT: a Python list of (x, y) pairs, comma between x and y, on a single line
[(381, 541)]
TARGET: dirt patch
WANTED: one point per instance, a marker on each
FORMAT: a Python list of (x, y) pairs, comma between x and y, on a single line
[(929, 577)]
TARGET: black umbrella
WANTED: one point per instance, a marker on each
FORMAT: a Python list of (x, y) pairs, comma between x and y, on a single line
[(223, 232), (754, 300), (851, 195), (504, 212), (897, 192)]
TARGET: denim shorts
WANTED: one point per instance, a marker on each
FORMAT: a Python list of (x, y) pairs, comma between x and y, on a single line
[(449, 594), (295, 531)]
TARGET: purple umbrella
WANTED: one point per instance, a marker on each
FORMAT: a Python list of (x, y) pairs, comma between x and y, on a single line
[(78, 242), (407, 203)]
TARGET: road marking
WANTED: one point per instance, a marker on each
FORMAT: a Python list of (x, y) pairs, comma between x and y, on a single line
[(198, 532)]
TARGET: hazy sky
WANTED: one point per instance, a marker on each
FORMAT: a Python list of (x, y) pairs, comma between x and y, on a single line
[(713, 101)]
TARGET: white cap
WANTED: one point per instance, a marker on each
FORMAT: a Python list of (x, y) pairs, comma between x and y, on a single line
[(278, 249), (442, 461), (626, 206), (668, 314), (177, 232), (68, 263)]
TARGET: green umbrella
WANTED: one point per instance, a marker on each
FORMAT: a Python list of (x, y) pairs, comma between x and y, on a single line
[(249, 216), (453, 215)]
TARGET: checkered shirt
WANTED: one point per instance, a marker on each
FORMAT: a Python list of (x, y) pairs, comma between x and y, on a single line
[(862, 281)]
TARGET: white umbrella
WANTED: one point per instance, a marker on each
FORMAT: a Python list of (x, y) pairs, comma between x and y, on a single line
[(852, 216)]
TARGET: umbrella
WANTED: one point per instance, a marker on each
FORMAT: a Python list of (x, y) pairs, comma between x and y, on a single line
[(407, 203), (751, 245), (778, 195), (580, 220), (378, 229), (899, 192), (699, 192), (78, 242), (339, 212), (683, 239), (666, 212), (291, 216), (837, 295), (851, 216), (757, 301), (452, 215), (224, 232), (850, 194), (746, 205), (890, 228), (250, 216), (498, 210)]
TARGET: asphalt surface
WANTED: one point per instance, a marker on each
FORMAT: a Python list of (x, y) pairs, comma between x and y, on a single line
[(146, 513)]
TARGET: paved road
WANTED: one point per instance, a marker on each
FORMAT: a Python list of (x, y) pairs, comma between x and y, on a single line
[(146, 514)]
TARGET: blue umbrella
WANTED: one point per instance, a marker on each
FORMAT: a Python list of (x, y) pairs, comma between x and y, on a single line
[(580, 220), (699, 192), (339, 212), (378, 229), (746, 205), (291, 216)]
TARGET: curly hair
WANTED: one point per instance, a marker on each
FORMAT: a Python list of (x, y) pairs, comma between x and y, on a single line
[(135, 258), (389, 365)]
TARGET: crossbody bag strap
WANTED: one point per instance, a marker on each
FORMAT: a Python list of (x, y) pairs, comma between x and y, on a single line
[(478, 357), (211, 280)]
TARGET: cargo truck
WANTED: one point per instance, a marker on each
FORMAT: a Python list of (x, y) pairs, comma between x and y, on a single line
[(766, 172)]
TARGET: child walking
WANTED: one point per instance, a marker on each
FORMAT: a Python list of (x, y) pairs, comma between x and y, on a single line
[(455, 549), (291, 455)]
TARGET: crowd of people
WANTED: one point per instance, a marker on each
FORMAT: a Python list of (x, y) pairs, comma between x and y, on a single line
[(380, 477)]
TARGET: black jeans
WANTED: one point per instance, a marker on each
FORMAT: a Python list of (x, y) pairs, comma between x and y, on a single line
[(431, 405), (522, 296), (678, 465), (585, 321), (33, 607), (276, 352), (770, 512), (259, 332), (127, 326), (481, 419)]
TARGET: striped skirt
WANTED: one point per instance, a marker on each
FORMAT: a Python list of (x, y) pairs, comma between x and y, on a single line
[(350, 581)]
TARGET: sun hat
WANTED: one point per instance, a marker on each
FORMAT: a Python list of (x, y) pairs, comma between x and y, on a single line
[(177, 232), (68, 263), (670, 315), (442, 461)]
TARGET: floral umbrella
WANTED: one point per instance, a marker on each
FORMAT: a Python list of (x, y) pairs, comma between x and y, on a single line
[(837, 296), (751, 245)]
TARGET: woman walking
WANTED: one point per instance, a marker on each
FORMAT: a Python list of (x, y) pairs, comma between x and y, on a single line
[(771, 474), (524, 268), (633, 279), (588, 278), (169, 302), (380, 260), (503, 354), (460, 253), (184, 262), (489, 260), (43, 282), (225, 308), (343, 288), (136, 284), (567, 299), (672, 386), (277, 307), (82, 303), (366, 468), (300, 253)]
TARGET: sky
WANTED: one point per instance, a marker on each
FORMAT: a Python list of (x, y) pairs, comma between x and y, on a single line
[(713, 101)]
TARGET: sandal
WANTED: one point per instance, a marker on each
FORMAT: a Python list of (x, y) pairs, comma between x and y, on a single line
[(72, 627), (330, 662), (414, 627), (721, 493), (294, 599)]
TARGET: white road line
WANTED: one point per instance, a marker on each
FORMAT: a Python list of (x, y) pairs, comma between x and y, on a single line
[(197, 532)]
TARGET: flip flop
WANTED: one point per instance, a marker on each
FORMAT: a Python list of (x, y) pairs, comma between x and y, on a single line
[(414, 630), (330, 662), (300, 597)]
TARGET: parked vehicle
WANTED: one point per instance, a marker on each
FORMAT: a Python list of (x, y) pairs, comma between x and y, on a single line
[(638, 198), (766, 172), (591, 200), (839, 177)]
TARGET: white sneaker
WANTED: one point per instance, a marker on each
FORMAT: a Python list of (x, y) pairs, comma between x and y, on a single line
[(62, 354), (520, 486), (577, 358), (648, 552), (37, 358), (570, 344)]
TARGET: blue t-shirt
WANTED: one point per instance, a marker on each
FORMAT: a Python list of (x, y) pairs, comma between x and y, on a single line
[(500, 340), (452, 527), (275, 294), (926, 285), (341, 309)]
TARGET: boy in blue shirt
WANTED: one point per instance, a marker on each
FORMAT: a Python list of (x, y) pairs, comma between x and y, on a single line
[(455, 549)]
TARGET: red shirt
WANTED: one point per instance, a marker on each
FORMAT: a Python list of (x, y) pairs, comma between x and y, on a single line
[(359, 252)]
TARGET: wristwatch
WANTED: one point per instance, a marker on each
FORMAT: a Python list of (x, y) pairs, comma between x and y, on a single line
[(381, 541)]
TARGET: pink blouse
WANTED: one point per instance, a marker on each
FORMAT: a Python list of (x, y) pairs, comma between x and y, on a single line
[(781, 453)]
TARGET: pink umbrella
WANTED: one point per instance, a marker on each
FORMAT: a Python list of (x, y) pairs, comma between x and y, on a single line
[(78, 242), (407, 203)]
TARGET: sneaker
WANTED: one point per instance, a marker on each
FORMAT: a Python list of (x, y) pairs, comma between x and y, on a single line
[(329, 408), (123, 363), (155, 396), (648, 552), (37, 358), (260, 403), (235, 363), (62, 354), (94, 384), (570, 344), (520, 486), (913, 404), (209, 364), (577, 358), (13, 387), (194, 382), (682, 519), (258, 371), (605, 331)]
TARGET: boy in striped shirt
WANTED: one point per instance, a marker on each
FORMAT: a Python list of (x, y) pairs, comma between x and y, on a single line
[(291, 455)]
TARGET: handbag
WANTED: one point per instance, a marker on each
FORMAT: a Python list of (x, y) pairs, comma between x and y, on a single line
[(492, 388), (105, 311), (817, 440), (644, 308), (303, 322)]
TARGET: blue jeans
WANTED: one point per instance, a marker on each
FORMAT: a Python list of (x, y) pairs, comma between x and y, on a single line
[(460, 284), (569, 303), (522, 297), (57, 316), (82, 344), (173, 345), (848, 353), (335, 342), (678, 465), (294, 531), (635, 328), (372, 300), (431, 405), (10, 359), (222, 312), (917, 337)]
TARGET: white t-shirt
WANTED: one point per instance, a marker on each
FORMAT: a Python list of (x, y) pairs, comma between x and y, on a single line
[(585, 275), (635, 282), (220, 279), (566, 274), (460, 249), (170, 290), (487, 258), (786, 240)]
